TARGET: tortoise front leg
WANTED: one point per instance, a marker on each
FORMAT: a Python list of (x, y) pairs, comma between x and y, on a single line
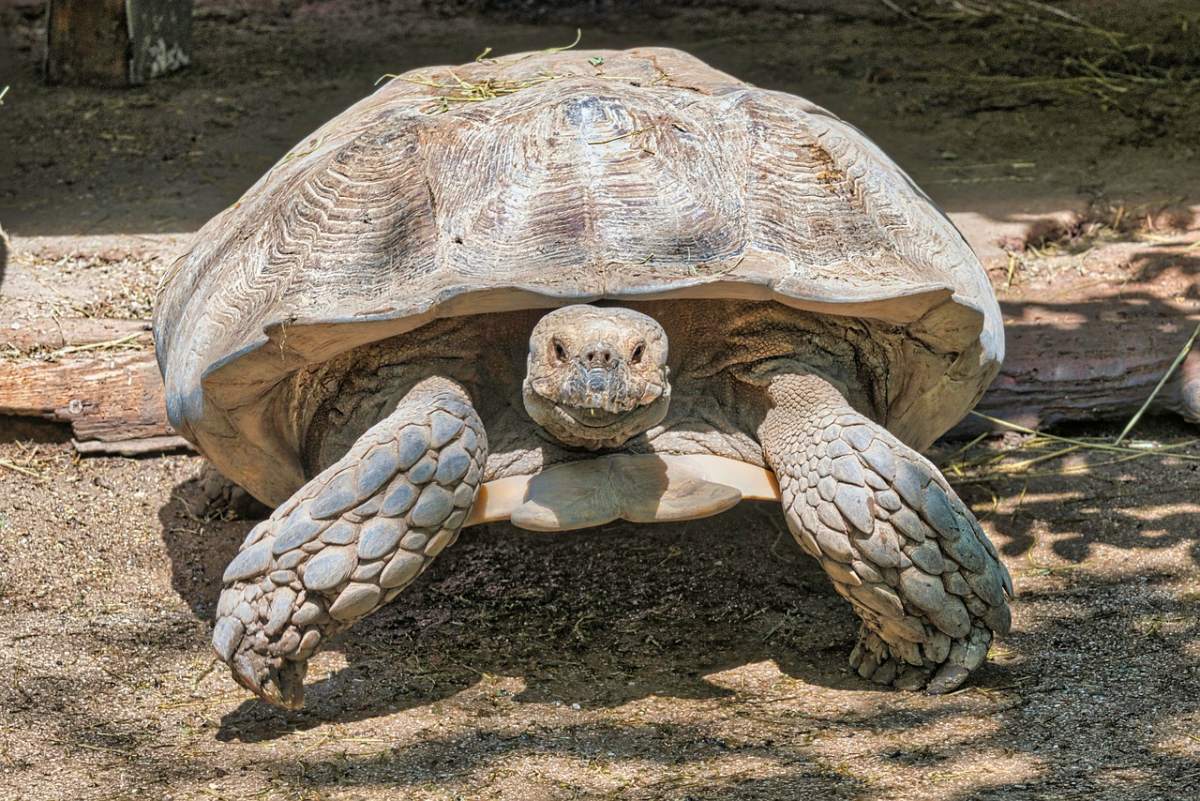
[(894, 538), (350, 539)]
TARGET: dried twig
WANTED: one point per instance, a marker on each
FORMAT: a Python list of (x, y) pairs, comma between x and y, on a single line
[(11, 465), (110, 344)]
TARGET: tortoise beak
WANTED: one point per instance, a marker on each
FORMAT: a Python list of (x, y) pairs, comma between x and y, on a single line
[(599, 384)]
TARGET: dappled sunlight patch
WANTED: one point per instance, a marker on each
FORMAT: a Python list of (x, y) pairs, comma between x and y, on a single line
[(754, 677), (1178, 737)]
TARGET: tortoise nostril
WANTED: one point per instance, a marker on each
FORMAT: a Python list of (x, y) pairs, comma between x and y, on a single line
[(599, 357)]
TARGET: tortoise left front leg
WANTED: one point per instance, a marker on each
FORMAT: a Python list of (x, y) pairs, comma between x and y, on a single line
[(894, 538)]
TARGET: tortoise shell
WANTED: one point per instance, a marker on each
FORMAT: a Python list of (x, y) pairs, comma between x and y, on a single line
[(543, 179)]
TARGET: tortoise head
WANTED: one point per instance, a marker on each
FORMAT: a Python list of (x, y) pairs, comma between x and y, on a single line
[(597, 376)]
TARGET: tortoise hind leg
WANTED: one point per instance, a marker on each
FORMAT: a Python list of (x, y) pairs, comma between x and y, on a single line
[(891, 534), (350, 539)]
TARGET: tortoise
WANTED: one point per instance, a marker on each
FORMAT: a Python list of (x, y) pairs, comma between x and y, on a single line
[(564, 288)]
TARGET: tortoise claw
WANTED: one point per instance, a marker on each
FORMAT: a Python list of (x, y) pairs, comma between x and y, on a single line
[(277, 681)]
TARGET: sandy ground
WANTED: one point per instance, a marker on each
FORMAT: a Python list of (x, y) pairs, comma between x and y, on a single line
[(693, 661)]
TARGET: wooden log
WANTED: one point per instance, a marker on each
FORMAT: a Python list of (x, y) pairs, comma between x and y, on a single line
[(114, 399), (116, 42), (1092, 360), (55, 338), (1089, 335)]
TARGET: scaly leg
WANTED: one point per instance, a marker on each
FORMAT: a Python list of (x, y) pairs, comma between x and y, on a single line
[(350, 539), (889, 531)]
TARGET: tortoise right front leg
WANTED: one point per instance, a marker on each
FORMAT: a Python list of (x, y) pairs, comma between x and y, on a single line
[(350, 539)]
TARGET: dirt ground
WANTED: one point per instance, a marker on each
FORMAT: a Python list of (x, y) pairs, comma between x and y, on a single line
[(693, 661)]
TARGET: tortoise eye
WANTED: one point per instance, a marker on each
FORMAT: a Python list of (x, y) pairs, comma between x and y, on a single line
[(559, 351), (638, 352)]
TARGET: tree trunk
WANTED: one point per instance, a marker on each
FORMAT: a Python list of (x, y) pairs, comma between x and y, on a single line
[(116, 42), (1098, 357)]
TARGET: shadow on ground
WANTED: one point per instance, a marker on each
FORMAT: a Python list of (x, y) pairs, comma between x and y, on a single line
[(597, 620)]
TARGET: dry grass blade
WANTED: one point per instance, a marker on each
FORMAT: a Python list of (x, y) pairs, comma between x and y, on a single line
[(1133, 421), (1098, 445), (578, 39), (127, 342), (1000, 475), (906, 13), (467, 91), (1088, 60), (23, 470), (620, 136)]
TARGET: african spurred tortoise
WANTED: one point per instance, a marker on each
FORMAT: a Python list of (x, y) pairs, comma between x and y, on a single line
[(363, 342)]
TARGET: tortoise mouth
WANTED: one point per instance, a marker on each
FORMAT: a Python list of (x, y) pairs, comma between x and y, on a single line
[(591, 417), (590, 427)]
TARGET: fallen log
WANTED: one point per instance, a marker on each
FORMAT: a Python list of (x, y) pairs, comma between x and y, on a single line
[(1083, 345), (113, 402), (1090, 335), (95, 374)]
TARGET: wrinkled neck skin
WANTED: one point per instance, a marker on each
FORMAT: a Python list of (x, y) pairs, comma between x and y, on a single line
[(706, 399), (595, 377)]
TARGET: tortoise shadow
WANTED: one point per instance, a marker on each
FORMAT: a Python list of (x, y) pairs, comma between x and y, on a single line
[(592, 619), (597, 617)]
